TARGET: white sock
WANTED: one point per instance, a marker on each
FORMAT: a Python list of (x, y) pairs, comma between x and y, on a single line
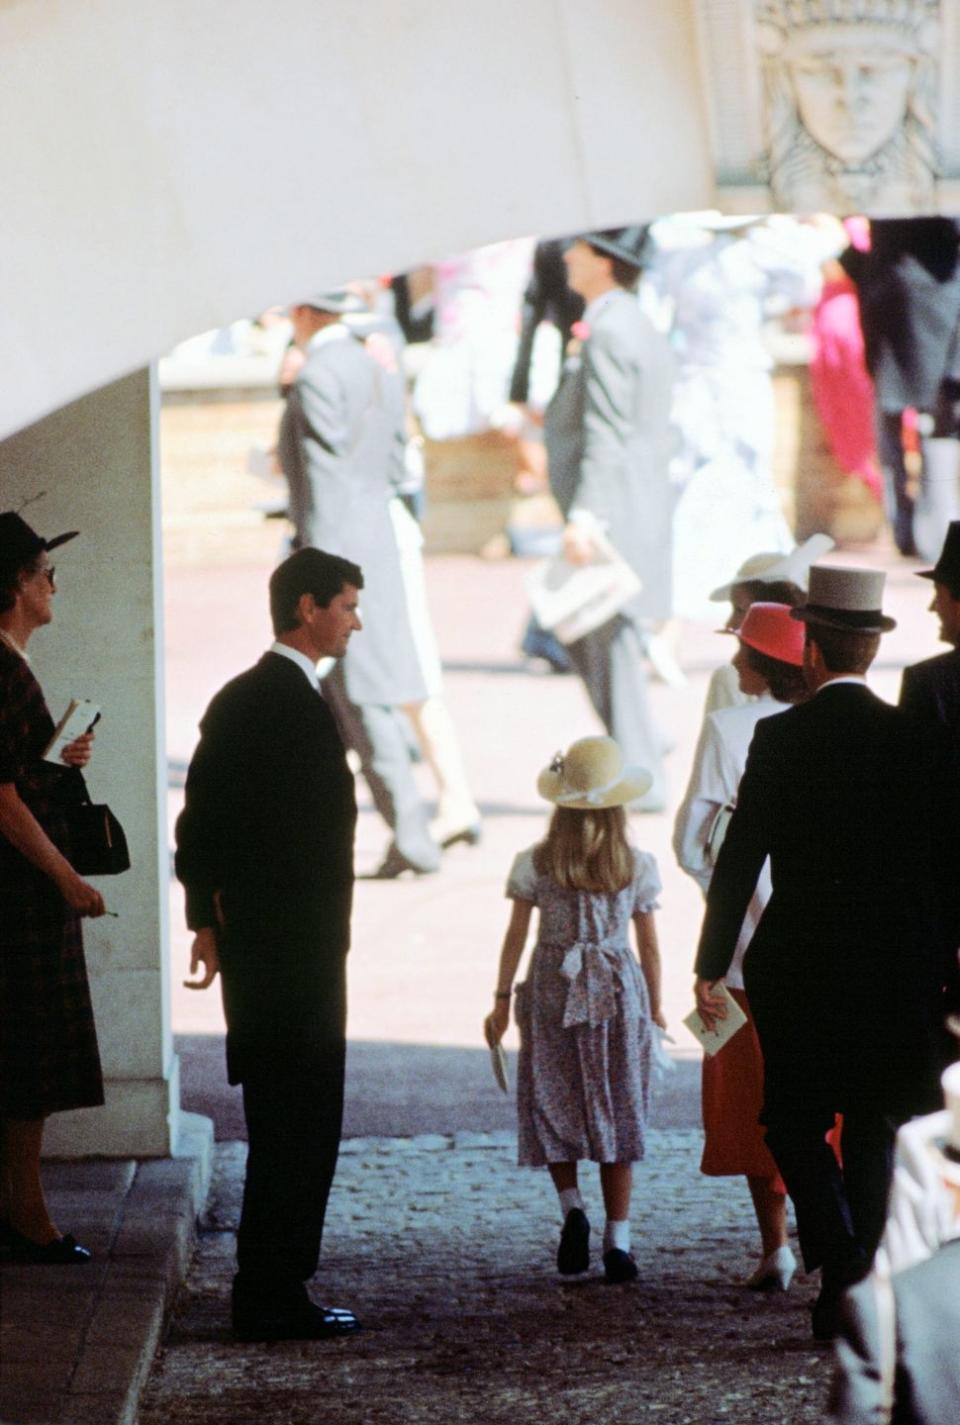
[(570, 1198), (616, 1234)]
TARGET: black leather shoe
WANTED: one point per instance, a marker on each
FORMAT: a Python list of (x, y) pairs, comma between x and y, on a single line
[(395, 864), (305, 1322), (61, 1252), (619, 1266), (573, 1253)]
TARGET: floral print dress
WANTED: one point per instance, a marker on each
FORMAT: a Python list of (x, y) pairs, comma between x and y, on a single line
[(583, 1083)]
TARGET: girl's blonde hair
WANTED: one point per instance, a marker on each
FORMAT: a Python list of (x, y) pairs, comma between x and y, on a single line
[(587, 850)]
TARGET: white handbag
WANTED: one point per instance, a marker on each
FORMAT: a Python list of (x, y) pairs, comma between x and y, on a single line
[(571, 600)]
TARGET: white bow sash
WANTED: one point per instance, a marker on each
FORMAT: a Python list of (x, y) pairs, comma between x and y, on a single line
[(593, 970)]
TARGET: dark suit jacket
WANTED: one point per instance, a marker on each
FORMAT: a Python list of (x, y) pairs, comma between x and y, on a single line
[(927, 1389), (269, 822), (842, 971)]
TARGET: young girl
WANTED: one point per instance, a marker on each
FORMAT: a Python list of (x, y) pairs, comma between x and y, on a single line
[(585, 1010)]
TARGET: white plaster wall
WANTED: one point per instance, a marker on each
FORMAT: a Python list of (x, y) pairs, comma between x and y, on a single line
[(96, 460)]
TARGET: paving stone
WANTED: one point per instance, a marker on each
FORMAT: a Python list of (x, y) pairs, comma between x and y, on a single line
[(447, 1255)]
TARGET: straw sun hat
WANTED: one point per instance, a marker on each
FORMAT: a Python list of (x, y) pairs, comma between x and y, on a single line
[(591, 775)]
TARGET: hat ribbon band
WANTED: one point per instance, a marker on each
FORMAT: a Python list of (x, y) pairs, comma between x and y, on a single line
[(594, 795), (856, 618)]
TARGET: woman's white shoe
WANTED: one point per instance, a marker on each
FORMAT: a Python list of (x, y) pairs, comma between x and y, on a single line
[(775, 1272)]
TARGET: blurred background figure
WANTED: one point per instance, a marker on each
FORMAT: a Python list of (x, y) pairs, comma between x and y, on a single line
[(718, 278), (342, 437), (908, 282)]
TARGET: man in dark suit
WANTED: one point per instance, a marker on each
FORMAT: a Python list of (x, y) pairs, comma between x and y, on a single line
[(842, 973), (930, 690), (265, 852)]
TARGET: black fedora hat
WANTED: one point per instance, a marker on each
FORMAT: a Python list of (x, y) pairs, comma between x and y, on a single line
[(628, 244), (947, 568), (19, 543)]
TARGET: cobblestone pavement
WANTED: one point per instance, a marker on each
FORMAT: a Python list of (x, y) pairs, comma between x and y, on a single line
[(444, 1247)]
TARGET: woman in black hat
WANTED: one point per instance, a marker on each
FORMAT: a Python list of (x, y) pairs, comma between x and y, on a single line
[(49, 1060)]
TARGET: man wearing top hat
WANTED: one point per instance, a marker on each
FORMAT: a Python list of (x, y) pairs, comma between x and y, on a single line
[(843, 972), (609, 442), (930, 690), (342, 438)]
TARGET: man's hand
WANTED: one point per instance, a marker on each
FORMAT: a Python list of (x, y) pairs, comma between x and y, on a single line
[(495, 1024), (578, 547), (203, 952), (710, 1006)]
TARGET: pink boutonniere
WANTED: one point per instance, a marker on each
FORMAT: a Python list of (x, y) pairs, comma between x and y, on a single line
[(580, 330)]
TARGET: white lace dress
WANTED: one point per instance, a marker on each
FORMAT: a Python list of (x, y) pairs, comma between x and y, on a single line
[(583, 1082)]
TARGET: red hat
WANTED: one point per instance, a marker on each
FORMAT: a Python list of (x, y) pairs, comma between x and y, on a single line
[(771, 630)]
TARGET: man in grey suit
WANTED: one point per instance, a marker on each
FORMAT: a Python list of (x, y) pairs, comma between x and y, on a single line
[(341, 437), (608, 444)]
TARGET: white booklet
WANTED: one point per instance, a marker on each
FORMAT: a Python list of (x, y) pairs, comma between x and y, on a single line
[(78, 719), (723, 1029), (572, 600)]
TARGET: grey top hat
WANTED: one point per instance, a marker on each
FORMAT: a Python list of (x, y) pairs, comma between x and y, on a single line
[(846, 599), (947, 568), (336, 299), (629, 244)]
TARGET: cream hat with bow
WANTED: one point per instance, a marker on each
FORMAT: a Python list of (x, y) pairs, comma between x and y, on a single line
[(591, 775)]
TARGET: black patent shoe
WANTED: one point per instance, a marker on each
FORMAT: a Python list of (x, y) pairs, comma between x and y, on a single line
[(619, 1266), (61, 1252), (304, 1322), (395, 864), (573, 1253)]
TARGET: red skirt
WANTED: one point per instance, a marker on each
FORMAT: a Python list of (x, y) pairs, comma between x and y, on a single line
[(732, 1095)]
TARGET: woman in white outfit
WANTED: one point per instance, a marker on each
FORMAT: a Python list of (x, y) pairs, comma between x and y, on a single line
[(768, 663)]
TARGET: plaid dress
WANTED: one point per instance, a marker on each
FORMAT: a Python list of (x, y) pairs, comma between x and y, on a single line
[(49, 1058)]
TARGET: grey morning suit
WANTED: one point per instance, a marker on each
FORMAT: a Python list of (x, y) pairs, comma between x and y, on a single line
[(340, 438), (608, 443)]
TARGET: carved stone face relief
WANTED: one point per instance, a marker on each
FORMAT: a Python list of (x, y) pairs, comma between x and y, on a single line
[(850, 91), (851, 86)]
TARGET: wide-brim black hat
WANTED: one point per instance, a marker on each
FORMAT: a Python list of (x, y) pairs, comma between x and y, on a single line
[(629, 244), (947, 568), (849, 600), (19, 543)]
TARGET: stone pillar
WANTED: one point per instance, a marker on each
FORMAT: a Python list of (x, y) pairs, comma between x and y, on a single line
[(97, 461)]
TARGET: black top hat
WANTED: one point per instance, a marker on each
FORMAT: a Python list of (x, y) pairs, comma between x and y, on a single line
[(947, 568), (629, 244), (19, 544)]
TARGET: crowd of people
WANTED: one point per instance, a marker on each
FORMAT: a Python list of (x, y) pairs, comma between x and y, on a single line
[(818, 820)]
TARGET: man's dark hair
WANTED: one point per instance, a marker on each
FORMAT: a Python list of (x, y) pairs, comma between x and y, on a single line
[(308, 571), (785, 680), (844, 650), (781, 591)]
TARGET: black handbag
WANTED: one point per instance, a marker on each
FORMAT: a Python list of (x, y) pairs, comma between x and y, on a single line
[(98, 845)]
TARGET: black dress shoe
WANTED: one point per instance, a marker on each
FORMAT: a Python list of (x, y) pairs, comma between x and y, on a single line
[(61, 1252), (304, 1322), (573, 1253), (619, 1266), (394, 864)]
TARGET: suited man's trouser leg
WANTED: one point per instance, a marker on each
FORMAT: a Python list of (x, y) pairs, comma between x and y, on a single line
[(840, 1214), (897, 502), (294, 1112), (610, 662), (377, 735)]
